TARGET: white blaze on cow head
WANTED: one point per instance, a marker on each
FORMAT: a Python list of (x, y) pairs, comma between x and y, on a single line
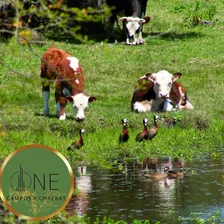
[(80, 103), (162, 83)]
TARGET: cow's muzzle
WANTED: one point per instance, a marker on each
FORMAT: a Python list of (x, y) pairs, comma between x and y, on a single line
[(79, 119), (164, 96)]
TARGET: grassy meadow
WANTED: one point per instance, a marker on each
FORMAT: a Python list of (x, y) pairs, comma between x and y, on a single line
[(111, 71)]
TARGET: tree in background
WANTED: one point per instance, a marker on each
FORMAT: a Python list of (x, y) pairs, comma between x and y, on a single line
[(26, 19)]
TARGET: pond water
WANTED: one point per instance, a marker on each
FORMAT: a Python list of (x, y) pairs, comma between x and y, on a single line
[(138, 196)]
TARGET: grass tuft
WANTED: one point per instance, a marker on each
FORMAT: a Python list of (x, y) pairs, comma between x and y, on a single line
[(198, 119)]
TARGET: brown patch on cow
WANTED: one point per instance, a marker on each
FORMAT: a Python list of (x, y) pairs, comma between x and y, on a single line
[(176, 96), (144, 84), (62, 102), (143, 90), (56, 66)]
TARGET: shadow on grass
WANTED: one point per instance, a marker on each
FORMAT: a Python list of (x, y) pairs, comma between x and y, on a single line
[(173, 35), (51, 116)]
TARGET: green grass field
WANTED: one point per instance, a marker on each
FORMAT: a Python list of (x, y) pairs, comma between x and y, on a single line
[(111, 71)]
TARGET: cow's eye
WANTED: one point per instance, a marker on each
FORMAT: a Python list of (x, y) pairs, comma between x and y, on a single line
[(169, 84), (157, 84)]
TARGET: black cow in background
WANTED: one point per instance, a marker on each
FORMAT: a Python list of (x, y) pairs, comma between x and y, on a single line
[(130, 8), (134, 10)]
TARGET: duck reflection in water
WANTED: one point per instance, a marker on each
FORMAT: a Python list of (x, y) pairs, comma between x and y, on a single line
[(158, 171), (160, 177), (167, 172), (79, 202), (175, 173), (157, 175), (150, 164)]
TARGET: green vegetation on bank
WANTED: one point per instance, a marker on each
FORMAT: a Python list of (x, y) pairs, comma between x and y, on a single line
[(173, 42)]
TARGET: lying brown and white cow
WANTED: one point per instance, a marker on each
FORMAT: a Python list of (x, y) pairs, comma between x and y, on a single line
[(65, 70), (159, 92)]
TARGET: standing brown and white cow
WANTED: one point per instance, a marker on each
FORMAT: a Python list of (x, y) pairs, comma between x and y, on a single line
[(65, 70), (159, 92)]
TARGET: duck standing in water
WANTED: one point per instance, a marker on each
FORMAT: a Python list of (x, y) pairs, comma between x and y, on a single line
[(79, 143), (158, 175), (124, 136), (143, 135), (175, 173), (154, 130)]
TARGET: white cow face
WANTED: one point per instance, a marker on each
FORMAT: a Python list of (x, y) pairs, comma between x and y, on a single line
[(162, 83), (133, 25), (80, 103)]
